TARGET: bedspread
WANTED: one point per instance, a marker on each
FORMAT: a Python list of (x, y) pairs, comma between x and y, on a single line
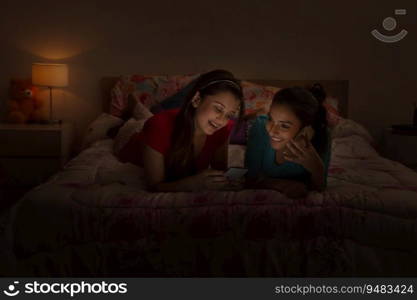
[(94, 218)]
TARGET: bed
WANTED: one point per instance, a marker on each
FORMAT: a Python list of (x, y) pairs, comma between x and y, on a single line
[(95, 218)]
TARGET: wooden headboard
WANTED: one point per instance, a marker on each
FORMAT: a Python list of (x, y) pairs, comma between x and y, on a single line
[(336, 88)]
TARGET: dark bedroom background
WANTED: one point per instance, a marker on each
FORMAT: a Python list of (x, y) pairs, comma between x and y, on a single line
[(267, 40)]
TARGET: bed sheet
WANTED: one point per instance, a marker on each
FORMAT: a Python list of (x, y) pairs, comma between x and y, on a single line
[(95, 218)]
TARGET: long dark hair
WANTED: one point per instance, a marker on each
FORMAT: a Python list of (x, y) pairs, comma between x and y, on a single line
[(307, 105), (179, 161)]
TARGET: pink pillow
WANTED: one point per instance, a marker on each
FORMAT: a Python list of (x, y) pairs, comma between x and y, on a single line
[(333, 114), (119, 95), (170, 85), (257, 97), (149, 90)]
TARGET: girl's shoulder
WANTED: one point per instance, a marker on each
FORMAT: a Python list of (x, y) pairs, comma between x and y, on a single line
[(258, 124), (258, 121), (161, 124), (167, 114), (256, 130), (157, 130), (262, 119), (163, 119)]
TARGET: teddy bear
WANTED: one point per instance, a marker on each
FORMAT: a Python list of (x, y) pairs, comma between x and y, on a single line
[(24, 106)]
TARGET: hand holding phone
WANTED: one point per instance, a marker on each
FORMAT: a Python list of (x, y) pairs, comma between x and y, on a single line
[(304, 136), (235, 173)]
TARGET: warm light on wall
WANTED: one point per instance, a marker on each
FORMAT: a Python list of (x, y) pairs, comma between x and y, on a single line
[(53, 46), (50, 75)]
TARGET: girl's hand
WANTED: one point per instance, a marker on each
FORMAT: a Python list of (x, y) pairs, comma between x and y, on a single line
[(235, 185), (306, 156), (208, 180)]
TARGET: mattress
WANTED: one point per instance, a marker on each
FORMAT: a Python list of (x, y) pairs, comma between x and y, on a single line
[(96, 218)]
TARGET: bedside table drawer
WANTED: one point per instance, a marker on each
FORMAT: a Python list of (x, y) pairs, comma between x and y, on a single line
[(28, 172), (30, 153), (30, 143)]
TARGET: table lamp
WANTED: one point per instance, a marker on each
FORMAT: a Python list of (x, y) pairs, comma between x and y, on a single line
[(50, 75)]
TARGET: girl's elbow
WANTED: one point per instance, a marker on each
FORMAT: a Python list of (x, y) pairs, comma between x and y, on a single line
[(154, 187)]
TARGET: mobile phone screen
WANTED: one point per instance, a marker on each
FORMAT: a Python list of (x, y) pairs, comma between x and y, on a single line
[(305, 132)]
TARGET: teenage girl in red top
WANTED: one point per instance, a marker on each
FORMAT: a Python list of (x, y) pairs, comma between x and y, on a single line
[(186, 149)]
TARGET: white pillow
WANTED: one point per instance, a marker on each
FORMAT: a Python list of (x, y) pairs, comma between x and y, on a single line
[(126, 132), (141, 112), (132, 126), (97, 130), (348, 127)]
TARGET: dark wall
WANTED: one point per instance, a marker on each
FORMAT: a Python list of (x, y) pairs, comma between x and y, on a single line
[(301, 39)]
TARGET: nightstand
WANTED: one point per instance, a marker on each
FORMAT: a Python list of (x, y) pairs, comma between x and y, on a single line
[(31, 153), (401, 147)]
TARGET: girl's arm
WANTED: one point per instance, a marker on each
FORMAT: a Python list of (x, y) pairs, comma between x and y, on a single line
[(319, 176), (318, 180), (255, 148), (311, 161), (154, 165)]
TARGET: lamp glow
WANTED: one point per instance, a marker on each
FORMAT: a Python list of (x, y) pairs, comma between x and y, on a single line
[(50, 75)]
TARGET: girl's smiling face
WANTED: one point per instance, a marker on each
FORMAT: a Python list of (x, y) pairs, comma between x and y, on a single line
[(282, 125), (215, 111)]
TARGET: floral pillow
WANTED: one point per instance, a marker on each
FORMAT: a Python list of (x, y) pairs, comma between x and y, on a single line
[(173, 101), (257, 97), (120, 95), (333, 115), (149, 90), (169, 85)]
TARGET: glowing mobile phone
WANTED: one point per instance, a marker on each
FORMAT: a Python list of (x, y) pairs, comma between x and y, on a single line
[(307, 131), (235, 173)]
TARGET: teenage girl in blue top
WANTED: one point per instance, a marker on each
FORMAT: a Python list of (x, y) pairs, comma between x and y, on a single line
[(276, 157)]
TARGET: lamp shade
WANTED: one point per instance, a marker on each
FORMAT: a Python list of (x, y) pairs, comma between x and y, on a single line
[(50, 75)]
